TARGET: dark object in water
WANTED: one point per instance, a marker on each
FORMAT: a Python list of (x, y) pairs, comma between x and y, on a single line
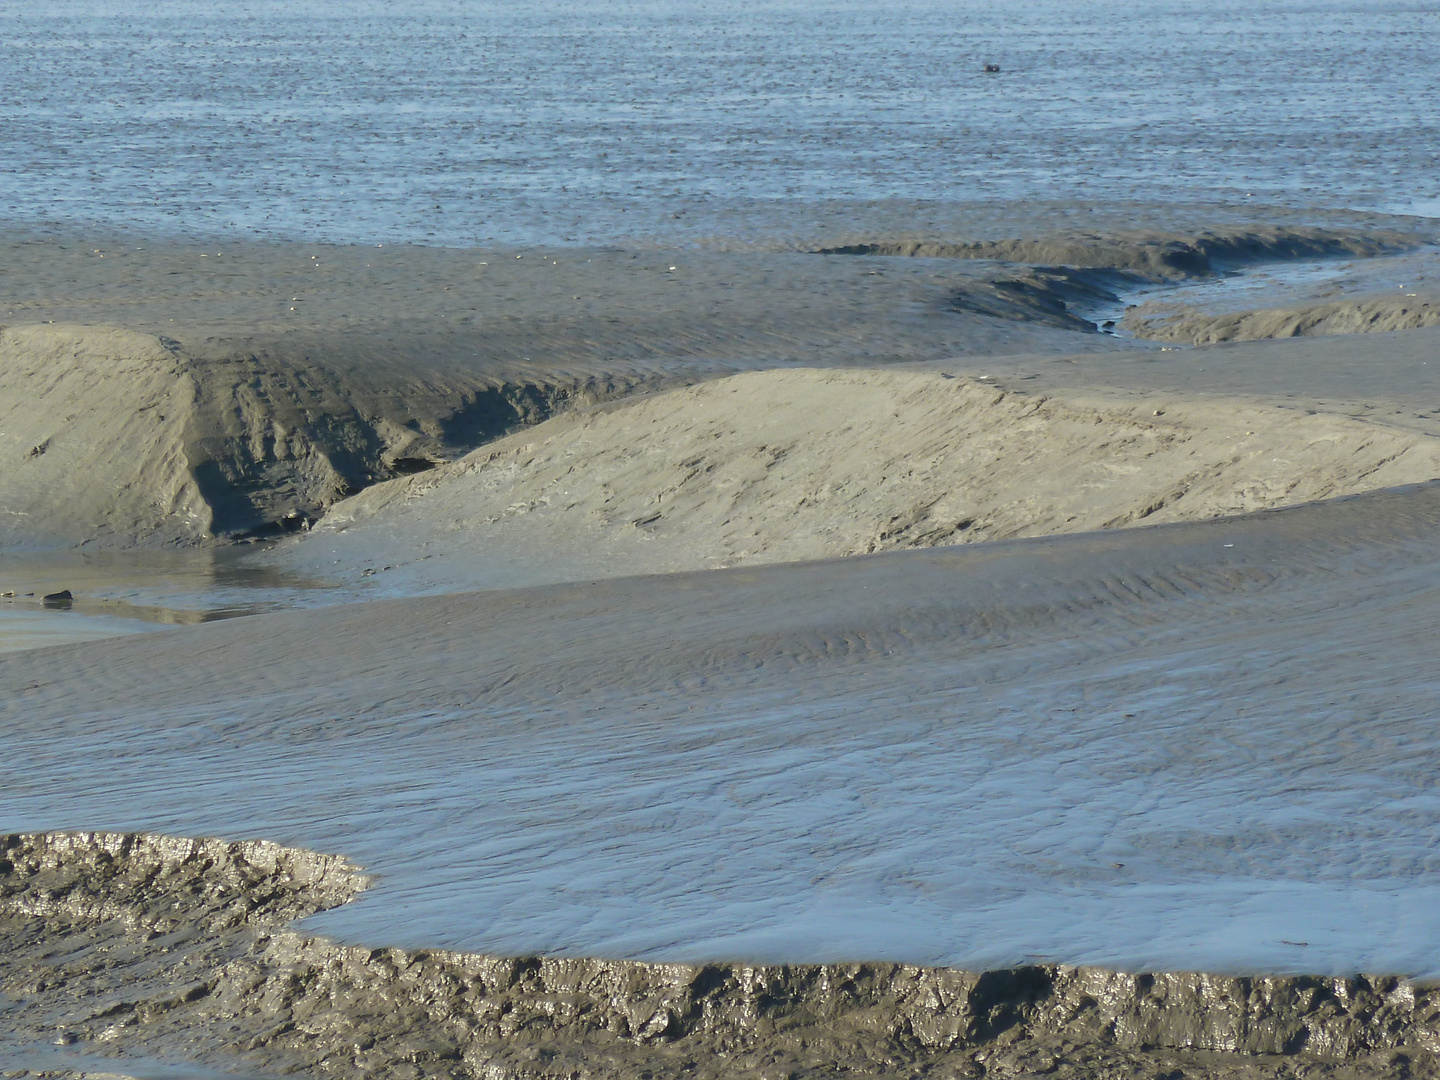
[(991, 69), (59, 599)]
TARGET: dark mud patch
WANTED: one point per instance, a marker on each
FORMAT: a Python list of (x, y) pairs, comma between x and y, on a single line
[(128, 946)]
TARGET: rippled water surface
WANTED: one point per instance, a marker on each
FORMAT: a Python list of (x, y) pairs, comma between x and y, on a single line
[(453, 121)]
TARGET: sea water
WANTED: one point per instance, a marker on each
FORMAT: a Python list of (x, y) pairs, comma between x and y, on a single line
[(462, 121)]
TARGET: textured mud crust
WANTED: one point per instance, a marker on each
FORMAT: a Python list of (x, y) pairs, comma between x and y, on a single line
[(174, 949)]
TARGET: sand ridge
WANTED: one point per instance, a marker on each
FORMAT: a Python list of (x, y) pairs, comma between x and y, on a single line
[(1361, 315), (289, 376), (807, 464)]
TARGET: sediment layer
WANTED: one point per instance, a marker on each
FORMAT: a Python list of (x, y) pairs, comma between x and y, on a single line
[(178, 949)]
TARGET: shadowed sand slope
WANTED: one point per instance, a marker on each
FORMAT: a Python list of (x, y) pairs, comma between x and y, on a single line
[(776, 466), (116, 439)]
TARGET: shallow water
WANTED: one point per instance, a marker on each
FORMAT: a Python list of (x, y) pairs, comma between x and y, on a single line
[(128, 592), (445, 121), (50, 1060)]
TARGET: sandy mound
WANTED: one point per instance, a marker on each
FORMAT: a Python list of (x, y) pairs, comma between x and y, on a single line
[(1182, 323), (806, 464), (94, 439), (112, 438)]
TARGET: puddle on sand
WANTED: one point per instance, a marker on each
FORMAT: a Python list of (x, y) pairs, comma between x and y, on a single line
[(114, 593)]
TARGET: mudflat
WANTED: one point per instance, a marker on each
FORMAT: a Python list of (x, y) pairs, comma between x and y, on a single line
[(846, 658)]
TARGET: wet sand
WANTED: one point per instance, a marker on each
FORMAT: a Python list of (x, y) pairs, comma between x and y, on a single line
[(968, 757), (1052, 755)]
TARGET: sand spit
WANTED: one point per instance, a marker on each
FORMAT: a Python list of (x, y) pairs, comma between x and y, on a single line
[(172, 949), (1072, 276), (1181, 323), (785, 465), (1155, 256)]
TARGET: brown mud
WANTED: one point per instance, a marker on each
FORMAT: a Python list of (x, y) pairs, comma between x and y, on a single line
[(144, 947)]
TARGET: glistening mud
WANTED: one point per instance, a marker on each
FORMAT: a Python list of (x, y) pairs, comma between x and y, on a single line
[(166, 949)]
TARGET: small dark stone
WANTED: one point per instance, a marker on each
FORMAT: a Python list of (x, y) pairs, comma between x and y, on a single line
[(59, 599)]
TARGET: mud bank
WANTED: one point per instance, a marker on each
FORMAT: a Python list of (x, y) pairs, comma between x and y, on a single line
[(1179, 323), (113, 438), (777, 466), (129, 945), (1154, 256)]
